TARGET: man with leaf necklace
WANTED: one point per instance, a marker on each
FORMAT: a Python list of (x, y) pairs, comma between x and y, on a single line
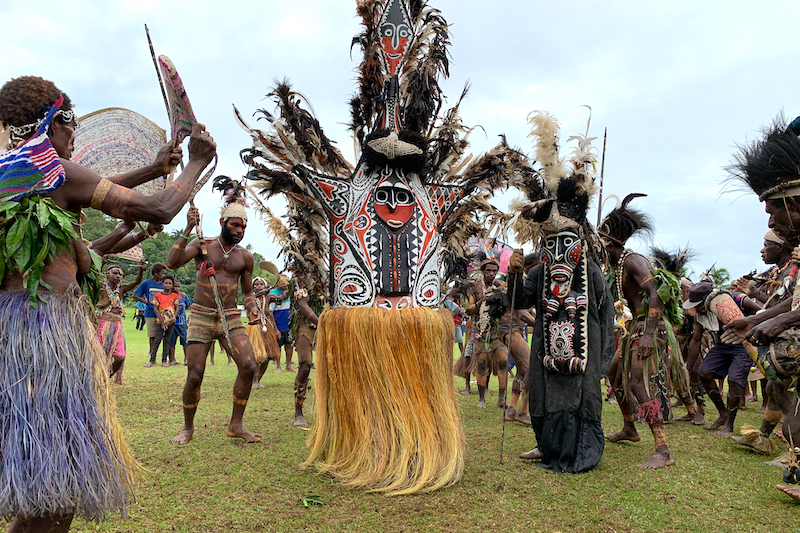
[(54, 465)]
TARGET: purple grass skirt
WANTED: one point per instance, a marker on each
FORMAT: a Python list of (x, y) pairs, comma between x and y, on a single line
[(61, 448)]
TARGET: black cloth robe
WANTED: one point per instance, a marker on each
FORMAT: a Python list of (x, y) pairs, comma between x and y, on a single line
[(566, 409)]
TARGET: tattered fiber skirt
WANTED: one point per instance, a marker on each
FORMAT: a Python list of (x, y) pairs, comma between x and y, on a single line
[(387, 419), (61, 448), (264, 343)]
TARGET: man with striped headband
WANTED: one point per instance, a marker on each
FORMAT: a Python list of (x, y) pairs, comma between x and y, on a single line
[(54, 466)]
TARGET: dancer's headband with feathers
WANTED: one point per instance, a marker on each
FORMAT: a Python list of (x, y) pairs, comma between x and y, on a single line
[(233, 198), (623, 222), (770, 166)]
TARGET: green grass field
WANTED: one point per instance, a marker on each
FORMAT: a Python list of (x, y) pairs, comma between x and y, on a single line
[(217, 484)]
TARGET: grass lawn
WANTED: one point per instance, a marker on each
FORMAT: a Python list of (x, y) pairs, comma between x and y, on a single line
[(217, 484)]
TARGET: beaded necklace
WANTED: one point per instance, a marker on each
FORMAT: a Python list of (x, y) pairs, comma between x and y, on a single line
[(620, 270), (225, 254)]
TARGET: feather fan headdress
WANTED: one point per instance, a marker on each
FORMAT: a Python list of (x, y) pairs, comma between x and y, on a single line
[(770, 166), (568, 183), (623, 222), (397, 116)]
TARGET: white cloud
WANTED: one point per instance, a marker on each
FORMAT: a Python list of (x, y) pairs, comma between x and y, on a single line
[(678, 83)]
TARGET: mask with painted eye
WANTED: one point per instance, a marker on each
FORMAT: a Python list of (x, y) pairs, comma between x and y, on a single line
[(394, 201), (395, 31), (561, 253)]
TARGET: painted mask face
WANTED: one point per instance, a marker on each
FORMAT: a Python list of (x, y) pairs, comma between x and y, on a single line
[(395, 32), (394, 200), (561, 254)]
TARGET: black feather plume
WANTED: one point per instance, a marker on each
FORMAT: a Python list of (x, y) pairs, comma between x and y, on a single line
[(766, 164), (624, 222), (672, 261)]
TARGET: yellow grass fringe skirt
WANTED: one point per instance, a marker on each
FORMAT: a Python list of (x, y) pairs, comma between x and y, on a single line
[(387, 419), (265, 344)]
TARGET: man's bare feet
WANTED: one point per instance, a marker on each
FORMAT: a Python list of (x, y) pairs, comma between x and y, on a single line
[(300, 422), (257, 385), (625, 434), (278, 370), (688, 417), (242, 433), (724, 431), (183, 437), (148, 364), (524, 419), (716, 424), (511, 414), (289, 368), (466, 392), (659, 459), (699, 419), (793, 491), (482, 404)]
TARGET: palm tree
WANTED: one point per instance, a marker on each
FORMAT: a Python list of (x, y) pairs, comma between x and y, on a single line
[(719, 276)]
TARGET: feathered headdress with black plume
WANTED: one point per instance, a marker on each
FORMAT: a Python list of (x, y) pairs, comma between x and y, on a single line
[(770, 166), (623, 222), (672, 261)]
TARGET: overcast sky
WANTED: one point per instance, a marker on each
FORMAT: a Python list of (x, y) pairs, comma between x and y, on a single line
[(677, 83)]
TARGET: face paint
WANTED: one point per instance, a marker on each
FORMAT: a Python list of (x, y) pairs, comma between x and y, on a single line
[(560, 254), (396, 33), (394, 201)]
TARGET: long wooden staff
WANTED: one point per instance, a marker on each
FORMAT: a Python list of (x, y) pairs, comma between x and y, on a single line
[(161, 85), (207, 269), (602, 173)]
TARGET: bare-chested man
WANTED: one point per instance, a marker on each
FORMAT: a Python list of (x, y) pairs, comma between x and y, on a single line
[(109, 310), (511, 326), (636, 366), (771, 290), (770, 166), (493, 357), (233, 265), (306, 309), (62, 360)]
